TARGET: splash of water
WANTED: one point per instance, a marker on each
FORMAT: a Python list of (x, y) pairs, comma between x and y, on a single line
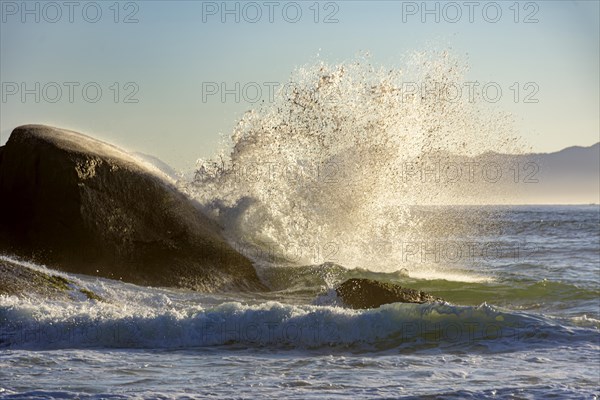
[(322, 173)]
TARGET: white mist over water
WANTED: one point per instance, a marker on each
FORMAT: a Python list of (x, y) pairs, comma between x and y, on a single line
[(332, 170)]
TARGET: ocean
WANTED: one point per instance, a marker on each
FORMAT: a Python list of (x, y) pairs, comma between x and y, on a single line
[(341, 177), (520, 320)]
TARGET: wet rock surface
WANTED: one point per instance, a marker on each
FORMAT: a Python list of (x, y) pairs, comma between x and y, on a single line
[(367, 293), (81, 205)]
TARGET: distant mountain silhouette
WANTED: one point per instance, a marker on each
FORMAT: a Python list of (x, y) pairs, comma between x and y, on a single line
[(571, 175), (568, 176)]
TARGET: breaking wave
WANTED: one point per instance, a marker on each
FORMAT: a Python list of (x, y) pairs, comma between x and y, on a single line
[(334, 168), (53, 325)]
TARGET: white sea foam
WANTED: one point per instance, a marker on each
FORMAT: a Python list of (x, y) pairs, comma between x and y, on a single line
[(157, 319), (449, 275)]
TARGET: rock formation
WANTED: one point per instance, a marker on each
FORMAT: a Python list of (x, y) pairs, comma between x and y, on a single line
[(22, 281), (81, 205), (367, 293)]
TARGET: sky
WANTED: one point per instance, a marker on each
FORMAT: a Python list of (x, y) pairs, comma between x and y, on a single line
[(139, 73)]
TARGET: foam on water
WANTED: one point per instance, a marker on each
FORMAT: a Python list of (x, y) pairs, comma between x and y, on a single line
[(158, 319), (449, 275)]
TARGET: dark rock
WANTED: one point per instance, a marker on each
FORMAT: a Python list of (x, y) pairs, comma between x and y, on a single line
[(90, 295), (19, 280), (367, 293), (81, 205)]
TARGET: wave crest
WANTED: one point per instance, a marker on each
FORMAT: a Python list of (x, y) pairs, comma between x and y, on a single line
[(320, 173)]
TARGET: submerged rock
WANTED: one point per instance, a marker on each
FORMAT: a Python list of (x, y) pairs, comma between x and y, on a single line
[(81, 205), (367, 293), (18, 280)]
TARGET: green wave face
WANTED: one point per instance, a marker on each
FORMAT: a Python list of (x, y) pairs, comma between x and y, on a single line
[(510, 291)]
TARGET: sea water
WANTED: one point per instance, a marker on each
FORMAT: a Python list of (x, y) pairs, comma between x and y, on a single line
[(528, 330), (333, 181)]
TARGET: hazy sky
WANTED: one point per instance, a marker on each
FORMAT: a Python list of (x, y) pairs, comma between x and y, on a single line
[(175, 47)]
